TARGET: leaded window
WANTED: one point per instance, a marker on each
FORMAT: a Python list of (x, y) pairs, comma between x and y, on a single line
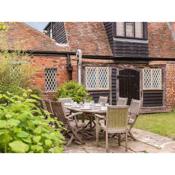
[(133, 30), (97, 78), (152, 79), (129, 29), (139, 30), (50, 79), (15, 71), (120, 29)]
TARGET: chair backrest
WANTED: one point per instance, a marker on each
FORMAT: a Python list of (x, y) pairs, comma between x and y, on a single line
[(122, 101), (65, 100), (103, 100), (48, 106), (58, 111), (117, 117), (41, 104), (134, 107)]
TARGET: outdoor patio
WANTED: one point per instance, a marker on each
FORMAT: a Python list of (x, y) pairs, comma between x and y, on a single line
[(146, 142)]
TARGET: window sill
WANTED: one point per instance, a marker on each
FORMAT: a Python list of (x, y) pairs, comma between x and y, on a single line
[(132, 40), (97, 89)]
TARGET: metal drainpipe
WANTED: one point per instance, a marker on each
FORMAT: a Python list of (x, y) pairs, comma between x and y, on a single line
[(69, 67), (79, 56)]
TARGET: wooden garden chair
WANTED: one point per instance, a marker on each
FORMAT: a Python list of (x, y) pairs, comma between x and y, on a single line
[(70, 122), (134, 110), (66, 100), (47, 106), (116, 123), (122, 101), (103, 100)]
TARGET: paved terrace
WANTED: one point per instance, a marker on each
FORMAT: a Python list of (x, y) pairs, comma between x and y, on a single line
[(147, 142)]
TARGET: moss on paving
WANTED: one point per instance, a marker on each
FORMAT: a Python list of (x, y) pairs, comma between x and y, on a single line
[(161, 123)]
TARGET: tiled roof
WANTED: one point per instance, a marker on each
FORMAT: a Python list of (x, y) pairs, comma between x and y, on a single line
[(20, 35), (90, 37)]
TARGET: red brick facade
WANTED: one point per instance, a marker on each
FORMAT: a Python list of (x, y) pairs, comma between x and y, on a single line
[(170, 85), (162, 45), (93, 41), (42, 62), (160, 40)]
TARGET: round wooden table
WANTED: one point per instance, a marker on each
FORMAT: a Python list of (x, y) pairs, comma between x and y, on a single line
[(93, 110), (90, 112)]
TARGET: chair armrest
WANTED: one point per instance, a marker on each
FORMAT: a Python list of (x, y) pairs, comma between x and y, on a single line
[(99, 116)]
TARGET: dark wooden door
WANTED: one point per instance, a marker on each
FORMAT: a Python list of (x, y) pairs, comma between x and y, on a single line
[(129, 84)]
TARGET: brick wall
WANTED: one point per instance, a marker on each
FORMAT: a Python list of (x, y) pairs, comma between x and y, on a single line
[(40, 63), (170, 85), (161, 42)]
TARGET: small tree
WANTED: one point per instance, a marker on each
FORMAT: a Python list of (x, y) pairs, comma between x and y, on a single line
[(74, 90), (3, 26), (15, 68)]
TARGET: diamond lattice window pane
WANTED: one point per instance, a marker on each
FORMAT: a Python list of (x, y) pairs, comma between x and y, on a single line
[(156, 79), (147, 78), (97, 78), (152, 79), (15, 71), (103, 76), (50, 79), (91, 77)]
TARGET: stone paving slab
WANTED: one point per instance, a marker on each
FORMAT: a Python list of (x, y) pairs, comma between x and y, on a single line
[(146, 142), (151, 138)]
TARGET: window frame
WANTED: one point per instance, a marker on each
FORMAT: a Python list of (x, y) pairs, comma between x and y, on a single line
[(151, 88), (144, 30), (97, 79), (125, 31), (45, 82)]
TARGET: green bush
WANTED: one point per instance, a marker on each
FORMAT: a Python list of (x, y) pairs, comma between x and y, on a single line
[(24, 128), (15, 71), (74, 90)]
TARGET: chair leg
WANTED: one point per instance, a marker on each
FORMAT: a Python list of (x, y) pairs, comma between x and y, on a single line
[(126, 142), (97, 131), (107, 144), (119, 139), (76, 136), (131, 135), (70, 140)]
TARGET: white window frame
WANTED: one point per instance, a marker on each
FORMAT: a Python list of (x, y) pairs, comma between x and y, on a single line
[(97, 78), (151, 82)]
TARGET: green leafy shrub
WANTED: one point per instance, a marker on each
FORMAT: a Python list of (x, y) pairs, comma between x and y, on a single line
[(16, 68), (15, 71), (74, 90), (24, 128)]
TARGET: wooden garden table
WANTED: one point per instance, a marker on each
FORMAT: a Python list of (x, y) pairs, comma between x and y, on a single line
[(90, 111)]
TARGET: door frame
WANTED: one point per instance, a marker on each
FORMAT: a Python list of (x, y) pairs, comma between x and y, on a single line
[(140, 81)]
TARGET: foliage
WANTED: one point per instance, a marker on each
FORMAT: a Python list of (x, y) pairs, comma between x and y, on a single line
[(160, 123), (15, 68), (74, 90), (24, 128), (3, 26), (37, 92), (15, 71)]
